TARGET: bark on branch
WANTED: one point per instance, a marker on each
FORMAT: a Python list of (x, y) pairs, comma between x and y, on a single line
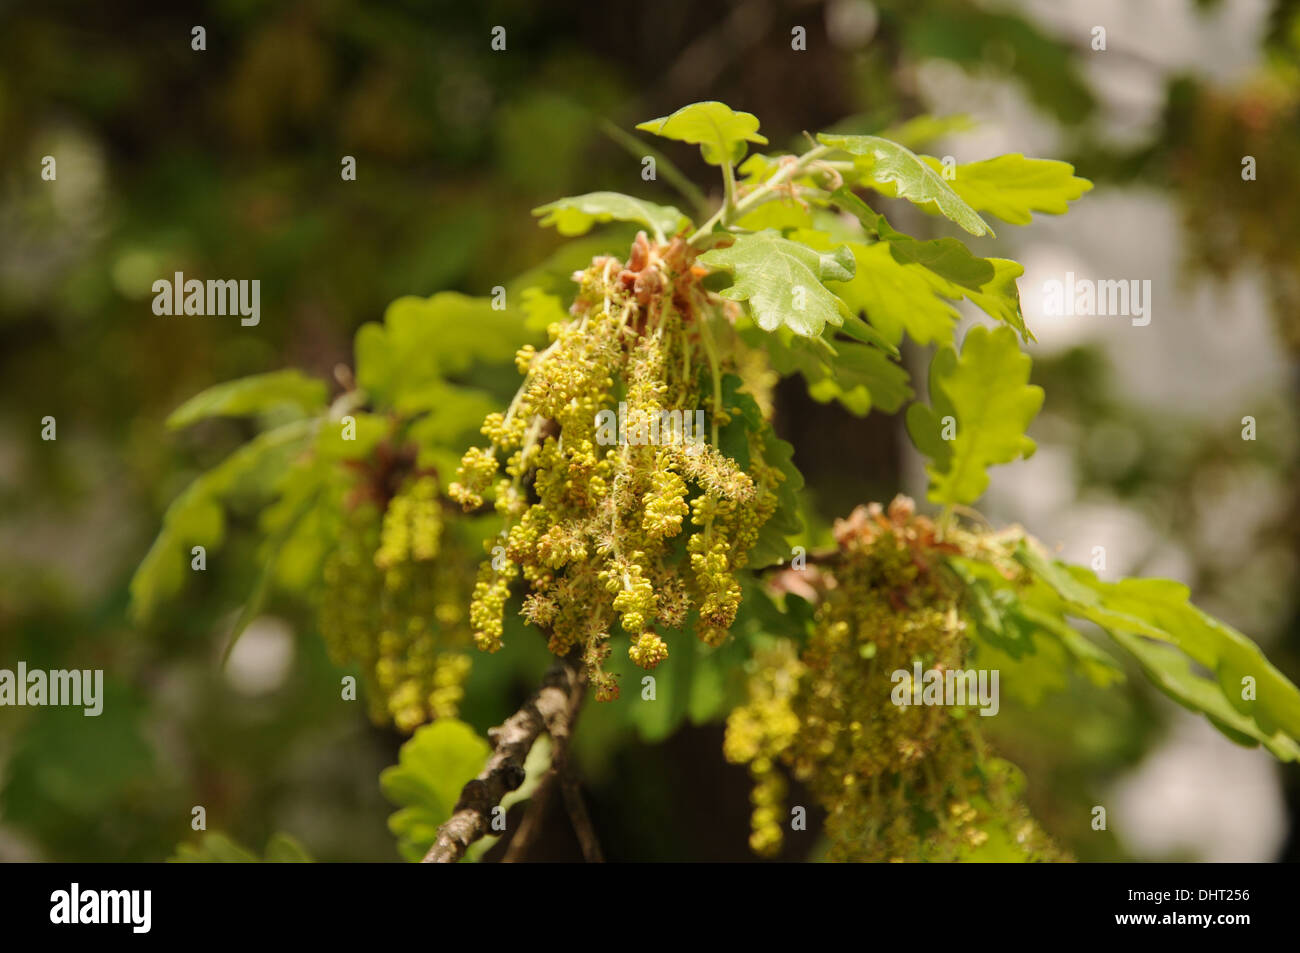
[(551, 709)]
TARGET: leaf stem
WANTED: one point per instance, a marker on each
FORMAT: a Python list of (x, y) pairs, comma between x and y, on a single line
[(733, 209), (728, 187), (945, 520), (711, 350), (689, 190)]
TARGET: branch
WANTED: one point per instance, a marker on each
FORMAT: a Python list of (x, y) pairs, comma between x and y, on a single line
[(531, 826), (579, 817), (559, 774), (552, 709), (730, 210)]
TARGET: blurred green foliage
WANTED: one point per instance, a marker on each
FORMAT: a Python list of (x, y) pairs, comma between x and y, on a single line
[(226, 162)]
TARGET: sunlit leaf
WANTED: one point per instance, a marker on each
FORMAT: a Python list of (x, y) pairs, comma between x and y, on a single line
[(422, 341), (720, 131), (1245, 695), (433, 766), (859, 376), (1012, 187), (252, 395), (217, 848), (197, 517), (987, 391), (577, 214), (783, 281), (900, 172)]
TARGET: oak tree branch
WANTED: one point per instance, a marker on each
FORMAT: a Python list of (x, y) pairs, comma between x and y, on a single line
[(551, 709)]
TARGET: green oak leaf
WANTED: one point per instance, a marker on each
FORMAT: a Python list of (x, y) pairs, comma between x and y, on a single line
[(897, 171), (897, 297), (300, 525), (926, 424), (432, 767), (757, 168), (1171, 671), (252, 395), (734, 440), (423, 340), (781, 215), (719, 131), (1013, 187), (577, 214), (269, 553), (197, 516), (999, 297), (1018, 622), (988, 394), (1134, 610), (541, 309), (783, 280), (217, 848), (948, 258), (743, 416), (356, 439), (859, 376), (904, 289)]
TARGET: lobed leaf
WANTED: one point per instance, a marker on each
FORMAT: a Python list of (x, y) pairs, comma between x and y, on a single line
[(432, 767), (1026, 635), (1135, 610), (424, 340), (252, 395), (720, 131), (783, 281), (904, 290), (197, 516), (898, 171), (577, 214), (1013, 187), (858, 376), (987, 392), (217, 848), (773, 545), (897, 297)]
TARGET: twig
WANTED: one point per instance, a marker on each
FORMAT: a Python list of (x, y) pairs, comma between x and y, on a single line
[(578, 815), (562, 772), (551, 710), (729, 212), (689, 190), (531, 825)]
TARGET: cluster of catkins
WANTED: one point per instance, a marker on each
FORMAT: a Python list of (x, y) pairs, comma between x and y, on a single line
[(396, 610), (600, 466), (898, 783)]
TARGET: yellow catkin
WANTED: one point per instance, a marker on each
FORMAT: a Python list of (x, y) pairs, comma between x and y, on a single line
[(604, 439), (910, 783), (393, 607)]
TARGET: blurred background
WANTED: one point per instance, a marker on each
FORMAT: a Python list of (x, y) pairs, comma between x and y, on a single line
[(226, 162)]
